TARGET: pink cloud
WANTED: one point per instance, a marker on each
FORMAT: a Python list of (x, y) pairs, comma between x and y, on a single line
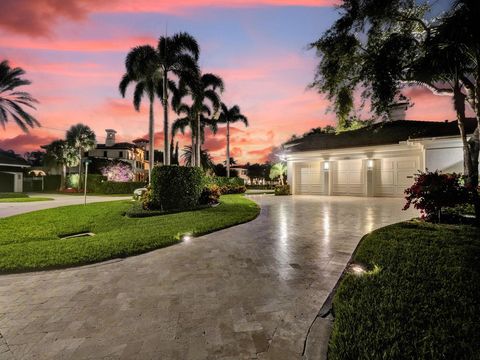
[(25, 142)]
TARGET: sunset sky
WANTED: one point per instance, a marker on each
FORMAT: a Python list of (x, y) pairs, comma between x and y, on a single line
[(74, 52)]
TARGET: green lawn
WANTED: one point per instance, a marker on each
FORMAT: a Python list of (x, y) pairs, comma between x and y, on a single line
[(23, 199), (421, 302), (32, 241), (12, 195)]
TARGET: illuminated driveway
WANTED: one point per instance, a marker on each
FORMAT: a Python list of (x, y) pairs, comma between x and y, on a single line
[(248, 292)]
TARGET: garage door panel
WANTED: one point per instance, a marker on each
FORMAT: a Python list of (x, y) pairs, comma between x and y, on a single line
[(348, 178), (392, 176), (309, 178)]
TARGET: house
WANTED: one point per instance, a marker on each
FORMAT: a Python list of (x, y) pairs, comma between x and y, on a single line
[(11, 172), (241, 172), (378, 160), (134, 153)]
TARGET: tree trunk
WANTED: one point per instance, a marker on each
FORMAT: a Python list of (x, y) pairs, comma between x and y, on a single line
[(228, 149), (63, 182), (166, 151), (198, 143), (151, 140), (193, 162), (79, 185)]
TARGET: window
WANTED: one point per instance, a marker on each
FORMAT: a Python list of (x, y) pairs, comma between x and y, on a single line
[(120, 154), (105, 154)]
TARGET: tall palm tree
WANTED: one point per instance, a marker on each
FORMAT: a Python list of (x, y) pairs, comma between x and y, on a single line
[(60, 153), (11, 100), (141, 66), (81, 138), (229, 116), (204, 91), (189, 120), (177, 54)]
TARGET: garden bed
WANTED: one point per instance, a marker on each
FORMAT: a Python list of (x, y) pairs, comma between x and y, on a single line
[(418, 299), (33, 241)]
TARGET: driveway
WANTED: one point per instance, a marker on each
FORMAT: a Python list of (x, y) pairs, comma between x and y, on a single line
[(248, 292), (9, 209)]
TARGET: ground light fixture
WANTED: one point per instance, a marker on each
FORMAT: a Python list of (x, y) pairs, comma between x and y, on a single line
[(357, 269), (187, 237)]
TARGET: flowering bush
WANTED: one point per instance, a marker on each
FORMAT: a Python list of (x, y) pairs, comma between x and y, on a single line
[(433, 191), (118, 172), (282, 190), (210, 195)]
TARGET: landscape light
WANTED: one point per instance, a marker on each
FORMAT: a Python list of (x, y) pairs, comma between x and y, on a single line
[(357, 269), (187, 237)]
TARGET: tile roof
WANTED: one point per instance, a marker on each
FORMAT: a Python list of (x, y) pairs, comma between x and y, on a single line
[(385, 133)]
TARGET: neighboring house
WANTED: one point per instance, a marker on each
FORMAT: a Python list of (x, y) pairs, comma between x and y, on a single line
[(379, 160), (133, 153), (241, 172), (11, 172)]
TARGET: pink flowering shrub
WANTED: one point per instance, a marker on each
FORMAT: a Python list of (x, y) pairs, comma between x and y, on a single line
[(118, 172), (433, 191)]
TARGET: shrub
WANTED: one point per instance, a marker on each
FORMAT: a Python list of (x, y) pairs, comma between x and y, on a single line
[(224, 181), (118, 172), (94, 182), (115, 187), (282, 189), (176, 187), (210, 195), (232, 189), (433, 191), (261, 187), (52, 182), (12, 195)]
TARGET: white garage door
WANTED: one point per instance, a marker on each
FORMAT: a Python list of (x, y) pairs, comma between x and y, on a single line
[(348, 178), (392, 176), (309, 178)]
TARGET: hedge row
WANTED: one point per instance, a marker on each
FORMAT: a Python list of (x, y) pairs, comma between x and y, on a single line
[(224, 181)]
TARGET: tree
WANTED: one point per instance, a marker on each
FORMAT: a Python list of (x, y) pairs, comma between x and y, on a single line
[(82, 139), (12, 101), (230, 116), (278, 170), (60, 153), (204, 91), (149, 68), (383, 46), (35, 158), (206, 159)]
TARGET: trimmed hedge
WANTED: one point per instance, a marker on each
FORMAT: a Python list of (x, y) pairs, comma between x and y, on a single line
[(52, 182), (225, 181), (113, 187), (13, 195), (176, 187), (281, 190)]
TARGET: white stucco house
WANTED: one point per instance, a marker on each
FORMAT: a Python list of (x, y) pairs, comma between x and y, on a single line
[(11, 172), (379, 160)]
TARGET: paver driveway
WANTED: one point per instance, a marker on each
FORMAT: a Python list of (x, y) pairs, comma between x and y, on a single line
[(246, 292)]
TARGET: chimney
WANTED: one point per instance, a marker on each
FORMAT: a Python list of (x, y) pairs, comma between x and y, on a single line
[(398, 111), (110, 137)]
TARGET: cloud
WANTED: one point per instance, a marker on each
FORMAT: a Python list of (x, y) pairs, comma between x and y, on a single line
[(37, 18), (25, 142)]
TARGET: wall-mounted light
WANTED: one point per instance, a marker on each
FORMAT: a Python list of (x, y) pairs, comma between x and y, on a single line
[(370, 164), (326, 165)]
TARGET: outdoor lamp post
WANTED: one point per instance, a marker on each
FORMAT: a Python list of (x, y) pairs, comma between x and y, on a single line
[(86, 161)]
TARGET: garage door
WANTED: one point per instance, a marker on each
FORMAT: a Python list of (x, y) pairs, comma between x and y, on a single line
[(348, 178), (309, 178), (7, 182), (392, 176)]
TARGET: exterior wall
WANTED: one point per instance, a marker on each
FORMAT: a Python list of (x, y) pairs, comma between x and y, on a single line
[(444, 155), (18, 182)]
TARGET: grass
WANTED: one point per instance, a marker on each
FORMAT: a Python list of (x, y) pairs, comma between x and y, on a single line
[(420, 299), (33, 241), (24, 199), (12, 195)]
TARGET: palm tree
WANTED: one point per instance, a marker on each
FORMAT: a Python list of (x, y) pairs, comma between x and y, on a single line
[(141, 66), (206, 161), (229, 116), (60, 153), (11, 101), (204, 90), (189, 120), (81, 138), (278, 170), (177, 54)]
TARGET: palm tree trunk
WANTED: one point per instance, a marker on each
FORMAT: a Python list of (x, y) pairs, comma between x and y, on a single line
[(198, 143), (151, 142), (228, 149), (79, 185), (166, 150), (64, 177), (193, 151)]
